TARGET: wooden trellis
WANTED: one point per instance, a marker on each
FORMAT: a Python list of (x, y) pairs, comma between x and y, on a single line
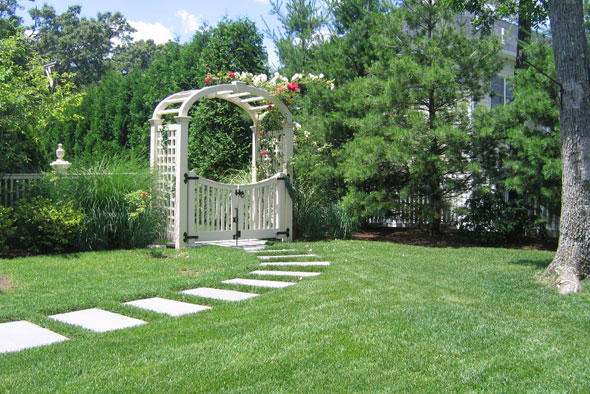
[(198, 209)]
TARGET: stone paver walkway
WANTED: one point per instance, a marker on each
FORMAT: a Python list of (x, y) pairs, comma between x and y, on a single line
[(300, 274), (168, 307), (286, 256), (220, 294), (97, 320), (295, 264), (272, 284), (19, 335)]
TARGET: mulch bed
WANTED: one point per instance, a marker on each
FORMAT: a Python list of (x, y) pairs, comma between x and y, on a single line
[(448, 238)]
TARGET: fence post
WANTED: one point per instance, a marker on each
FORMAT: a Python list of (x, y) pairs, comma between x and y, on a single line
[(60, 165)]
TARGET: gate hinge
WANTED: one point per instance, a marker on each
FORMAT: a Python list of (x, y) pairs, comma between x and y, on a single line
[(237, 235), (186, 237), (284, 232), (189, 178)]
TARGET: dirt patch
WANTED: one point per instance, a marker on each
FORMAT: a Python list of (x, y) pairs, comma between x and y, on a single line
[(5, 283), (447, 239), (190, 272)]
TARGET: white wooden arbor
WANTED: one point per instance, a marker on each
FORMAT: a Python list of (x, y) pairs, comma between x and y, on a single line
[(199, 209)]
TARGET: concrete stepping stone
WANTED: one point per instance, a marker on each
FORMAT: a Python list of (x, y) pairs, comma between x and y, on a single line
[(286, 256), (269, 250), (295, 263), (242, 243), (97, 320), (259, 283), (19, 335), (220, 294), (168, 307), (287, 273)]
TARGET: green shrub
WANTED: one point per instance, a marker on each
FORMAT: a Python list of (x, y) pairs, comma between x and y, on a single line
[(491, 219), (119, 201), (7, 228), (48, 226)]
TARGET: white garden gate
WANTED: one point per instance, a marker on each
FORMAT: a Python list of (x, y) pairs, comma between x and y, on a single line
[(198, 209)]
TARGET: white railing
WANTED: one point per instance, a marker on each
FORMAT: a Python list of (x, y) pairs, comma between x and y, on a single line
[(15, 186)]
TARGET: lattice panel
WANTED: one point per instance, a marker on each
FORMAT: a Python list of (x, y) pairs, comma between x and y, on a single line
[(166, 166)]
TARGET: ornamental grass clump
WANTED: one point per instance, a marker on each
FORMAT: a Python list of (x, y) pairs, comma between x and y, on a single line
[(119, 200)]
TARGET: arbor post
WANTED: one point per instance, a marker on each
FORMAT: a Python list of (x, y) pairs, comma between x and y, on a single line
[(181, 208), (154, 124)]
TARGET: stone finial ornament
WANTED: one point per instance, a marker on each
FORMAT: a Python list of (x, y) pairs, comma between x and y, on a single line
[(60, 165)]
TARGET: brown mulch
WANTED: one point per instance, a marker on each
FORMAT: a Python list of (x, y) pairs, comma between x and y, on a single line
[(446, 239)]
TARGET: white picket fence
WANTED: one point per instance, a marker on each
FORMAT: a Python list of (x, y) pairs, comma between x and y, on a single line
[(407, 215), (15, 186)]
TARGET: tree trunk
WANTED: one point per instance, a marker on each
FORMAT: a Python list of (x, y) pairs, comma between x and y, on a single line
[(572, 260), (524, 33)]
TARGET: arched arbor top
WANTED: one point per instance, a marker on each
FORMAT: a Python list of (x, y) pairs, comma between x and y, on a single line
[(255, 101)]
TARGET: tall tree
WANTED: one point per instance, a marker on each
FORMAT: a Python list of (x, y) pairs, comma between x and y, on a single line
[(413, 138), (27, 105), (570, 48), (517, 146), (528, 14), (77, 44), (303, 26)]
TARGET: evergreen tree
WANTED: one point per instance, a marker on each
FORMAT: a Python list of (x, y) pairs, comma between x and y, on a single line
[(413, 139), (303, 30)]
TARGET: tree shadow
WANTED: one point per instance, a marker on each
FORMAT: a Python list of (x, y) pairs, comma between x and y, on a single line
[(539, 264)]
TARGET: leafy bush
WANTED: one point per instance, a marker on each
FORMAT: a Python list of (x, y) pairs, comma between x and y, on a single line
[(119, 201), (491, 219), (7, 228), (48, 226)]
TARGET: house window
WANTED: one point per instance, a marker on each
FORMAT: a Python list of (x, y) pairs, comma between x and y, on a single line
[(501, 91)]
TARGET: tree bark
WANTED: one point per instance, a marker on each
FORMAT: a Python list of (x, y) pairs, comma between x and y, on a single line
[(524, 33), (572, 260)]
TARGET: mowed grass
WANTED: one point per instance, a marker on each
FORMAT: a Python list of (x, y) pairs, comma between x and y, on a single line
[(382, 318)]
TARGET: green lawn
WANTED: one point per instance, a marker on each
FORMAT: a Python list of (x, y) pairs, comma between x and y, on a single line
[(382, 318)]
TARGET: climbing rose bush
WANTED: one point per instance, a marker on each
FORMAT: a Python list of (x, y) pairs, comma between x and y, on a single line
[(288, 91), (280, 86)]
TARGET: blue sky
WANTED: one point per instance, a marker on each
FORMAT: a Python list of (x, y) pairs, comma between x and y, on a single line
[(166, 20)]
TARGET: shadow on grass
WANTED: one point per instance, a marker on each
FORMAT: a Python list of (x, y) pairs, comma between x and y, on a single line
[(540, 264)]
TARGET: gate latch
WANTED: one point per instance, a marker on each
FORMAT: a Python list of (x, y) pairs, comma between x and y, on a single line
[(240, 193)]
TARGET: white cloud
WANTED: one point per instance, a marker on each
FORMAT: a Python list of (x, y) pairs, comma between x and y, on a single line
[(151, 31), (190, 22)]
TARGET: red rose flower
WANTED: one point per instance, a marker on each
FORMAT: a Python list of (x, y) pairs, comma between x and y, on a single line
[(232, 75), (208, 79), (293, 87), (144, 194), (262, 133)]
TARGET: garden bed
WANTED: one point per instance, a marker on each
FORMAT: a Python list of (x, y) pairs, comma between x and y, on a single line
[(448, 238)]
